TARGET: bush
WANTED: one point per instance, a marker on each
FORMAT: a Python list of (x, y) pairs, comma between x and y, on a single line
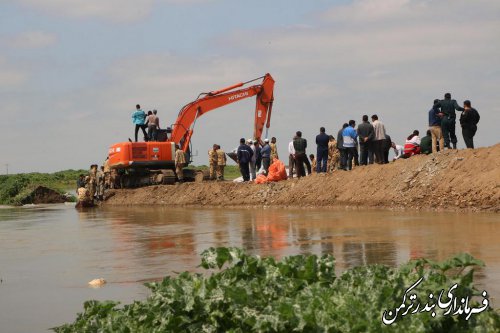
[(298, 294)]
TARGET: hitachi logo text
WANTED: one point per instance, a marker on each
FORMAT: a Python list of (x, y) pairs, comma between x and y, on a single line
[(240, 95)]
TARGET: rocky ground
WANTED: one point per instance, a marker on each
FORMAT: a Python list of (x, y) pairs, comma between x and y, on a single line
[(456, 180)]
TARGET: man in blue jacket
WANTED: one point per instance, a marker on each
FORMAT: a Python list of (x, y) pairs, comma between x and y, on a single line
[(138, 118), (349, 136), (322, 140), (244, 154)]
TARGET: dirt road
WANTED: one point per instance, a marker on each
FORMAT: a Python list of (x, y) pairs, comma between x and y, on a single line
[(456, 180)]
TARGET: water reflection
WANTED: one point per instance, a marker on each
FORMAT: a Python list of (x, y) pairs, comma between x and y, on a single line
[(56, 250)]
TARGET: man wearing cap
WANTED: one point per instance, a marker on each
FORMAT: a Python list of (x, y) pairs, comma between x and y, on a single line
[(221, 163), (212, 160), (265, 152), (180, 162), (244, 154)]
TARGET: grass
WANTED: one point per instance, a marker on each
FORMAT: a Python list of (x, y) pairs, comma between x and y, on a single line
[(14, 188)]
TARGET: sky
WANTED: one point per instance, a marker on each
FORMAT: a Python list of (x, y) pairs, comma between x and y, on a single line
[(72, 71)]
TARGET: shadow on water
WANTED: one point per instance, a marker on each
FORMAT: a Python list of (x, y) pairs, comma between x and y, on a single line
[(49, 253)]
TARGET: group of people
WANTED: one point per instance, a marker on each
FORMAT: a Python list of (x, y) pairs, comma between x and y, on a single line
[(251, 157), (91, 187), (217, 161), (143, 121), (367, 143)]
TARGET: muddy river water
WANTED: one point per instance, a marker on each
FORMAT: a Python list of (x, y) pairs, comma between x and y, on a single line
[(48, 254)]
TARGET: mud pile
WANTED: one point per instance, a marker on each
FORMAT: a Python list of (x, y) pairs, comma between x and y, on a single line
[(460, 180), (43, 195)]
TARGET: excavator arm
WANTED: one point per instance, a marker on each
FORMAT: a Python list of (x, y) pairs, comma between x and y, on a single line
[(206, 102)]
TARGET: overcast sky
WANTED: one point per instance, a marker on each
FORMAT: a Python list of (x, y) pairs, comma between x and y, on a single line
[(71, 71)]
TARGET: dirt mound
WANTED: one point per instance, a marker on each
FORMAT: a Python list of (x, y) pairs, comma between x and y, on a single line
[(43, 195), (451, 180)]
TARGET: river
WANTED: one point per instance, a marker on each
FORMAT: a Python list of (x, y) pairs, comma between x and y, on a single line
[(49, 253)]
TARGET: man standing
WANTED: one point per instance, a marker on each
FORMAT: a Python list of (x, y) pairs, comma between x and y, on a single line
[(100, 184), (349, 136), (322, 152), (253, 159), (333, 154), (274, 148), (212, 160), (138, 118), (258, 153), (152, 126), (292, 163), (366, 136), (379, 139), (92, 182), (266, 155), (221, 163), (300, 145), (435, 127), (244, 156), (468, 121), (180, 162), (340, 147), (107, 174), (448, 107)]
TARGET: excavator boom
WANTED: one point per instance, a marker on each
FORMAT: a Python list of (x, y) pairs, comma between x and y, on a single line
[(183, 127)]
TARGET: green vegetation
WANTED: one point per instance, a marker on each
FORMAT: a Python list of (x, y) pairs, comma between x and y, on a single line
[(14, 188), (231, 172), (297, 294)]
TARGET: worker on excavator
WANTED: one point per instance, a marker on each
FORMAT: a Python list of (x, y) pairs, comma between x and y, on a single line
[(221, 163), (212, 160)]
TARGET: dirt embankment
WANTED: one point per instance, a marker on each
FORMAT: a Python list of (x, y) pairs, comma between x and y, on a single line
[(453, 180)]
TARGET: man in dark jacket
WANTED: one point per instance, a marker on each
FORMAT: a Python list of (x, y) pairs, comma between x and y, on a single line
[(366, 136), (266, 155), (245, 154), (448, 107), (300, 145), (340, 147), (322, 140), (468, 121)]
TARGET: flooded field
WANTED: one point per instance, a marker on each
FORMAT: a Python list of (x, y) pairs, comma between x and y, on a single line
[(49, 253)]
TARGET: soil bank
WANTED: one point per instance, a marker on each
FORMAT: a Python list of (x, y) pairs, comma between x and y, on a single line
[(453, 180)]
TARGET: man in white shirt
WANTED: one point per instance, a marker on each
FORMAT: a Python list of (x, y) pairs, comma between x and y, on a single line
[(291, 159), (379, 140), (253, 174), (398, 151)]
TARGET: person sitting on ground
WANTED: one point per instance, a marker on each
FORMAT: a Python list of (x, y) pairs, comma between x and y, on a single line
[(313, 163), (411, 146), (398, 151), (426, 143)]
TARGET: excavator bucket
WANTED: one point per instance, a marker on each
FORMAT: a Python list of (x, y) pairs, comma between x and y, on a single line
[(233, 156)]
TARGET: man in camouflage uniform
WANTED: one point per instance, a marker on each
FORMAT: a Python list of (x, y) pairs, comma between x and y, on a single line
[(92, 183), (274, 149), (114, 179), (333, 154), (107, 174), (180, 162), (100, 184), (221, 163), (212, 160)]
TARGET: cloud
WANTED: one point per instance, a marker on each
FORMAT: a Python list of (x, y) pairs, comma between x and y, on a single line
[(10, 76), (32, 40), (120, 11)]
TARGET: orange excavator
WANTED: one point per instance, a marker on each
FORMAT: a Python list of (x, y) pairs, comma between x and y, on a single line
[(150, 163)]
